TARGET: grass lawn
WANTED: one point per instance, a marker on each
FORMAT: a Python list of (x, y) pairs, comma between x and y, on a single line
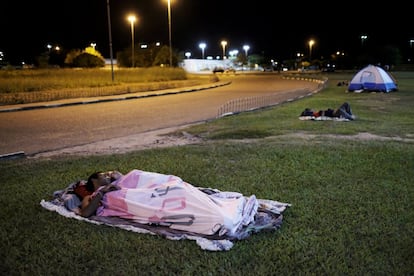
[(351, 186)]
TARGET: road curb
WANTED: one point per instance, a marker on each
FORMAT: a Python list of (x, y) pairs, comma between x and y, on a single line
[(13, 155)]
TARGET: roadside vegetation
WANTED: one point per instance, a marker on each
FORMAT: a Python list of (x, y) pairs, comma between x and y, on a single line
[(37, 85), (350, 185)]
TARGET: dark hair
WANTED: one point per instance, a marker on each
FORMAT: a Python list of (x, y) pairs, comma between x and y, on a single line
[(89, 184), (307, 112)]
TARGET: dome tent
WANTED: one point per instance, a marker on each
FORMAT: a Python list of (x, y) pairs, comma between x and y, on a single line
[(372, 78)]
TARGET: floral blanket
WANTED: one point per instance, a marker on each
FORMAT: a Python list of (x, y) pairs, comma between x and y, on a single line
[(166, 205)]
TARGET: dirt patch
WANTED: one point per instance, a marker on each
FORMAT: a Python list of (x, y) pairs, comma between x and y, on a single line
[(168, 138), (362, 136), (161, 138)]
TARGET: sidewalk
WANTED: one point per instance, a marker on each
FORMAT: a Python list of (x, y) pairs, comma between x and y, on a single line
[(122, 97)]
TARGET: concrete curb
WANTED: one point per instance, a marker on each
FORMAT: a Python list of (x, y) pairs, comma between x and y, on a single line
[(13, 155)]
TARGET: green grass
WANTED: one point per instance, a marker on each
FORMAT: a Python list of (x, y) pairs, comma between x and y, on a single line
[(49, 79), (352, 199), (37, 85)]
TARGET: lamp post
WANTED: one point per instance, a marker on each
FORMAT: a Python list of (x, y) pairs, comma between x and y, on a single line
[(363, 38), (93, 45), (108, 11), (411, 43), (246, 49), (311, 42), (132, 19), (169, 30), (224, 44), (202, 47)]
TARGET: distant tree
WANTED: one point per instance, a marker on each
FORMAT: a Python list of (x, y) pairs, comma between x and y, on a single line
[(241, 58), (380, 55), (123, 58), (257, 59), (152, 55), (57, 57), (143, 58), (88, 61), (163, 57), (71, 56), (89, 58), (94, 52), (42, 61), (390, 55)]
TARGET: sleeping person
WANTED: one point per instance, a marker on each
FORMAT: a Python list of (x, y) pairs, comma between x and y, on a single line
[(344, 112), (159, 199)]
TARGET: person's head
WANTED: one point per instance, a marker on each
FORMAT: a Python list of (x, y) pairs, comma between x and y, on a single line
[(307, 112), (96, 180)]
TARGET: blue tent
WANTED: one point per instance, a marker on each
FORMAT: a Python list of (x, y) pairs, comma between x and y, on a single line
[(372, 78)]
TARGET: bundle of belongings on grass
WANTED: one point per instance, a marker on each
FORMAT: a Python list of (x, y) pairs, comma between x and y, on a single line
[(159, 204), (343, 113)]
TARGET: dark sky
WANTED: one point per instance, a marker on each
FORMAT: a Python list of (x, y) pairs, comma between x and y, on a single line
[(277, 29)]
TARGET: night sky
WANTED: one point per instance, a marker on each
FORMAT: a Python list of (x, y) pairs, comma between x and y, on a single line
[(276, 29)]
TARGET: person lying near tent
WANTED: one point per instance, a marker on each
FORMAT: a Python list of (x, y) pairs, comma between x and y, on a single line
[(168, 205), (343, 113)]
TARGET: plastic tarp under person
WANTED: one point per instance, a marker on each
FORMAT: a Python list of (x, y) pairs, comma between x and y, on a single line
[(149, 202)]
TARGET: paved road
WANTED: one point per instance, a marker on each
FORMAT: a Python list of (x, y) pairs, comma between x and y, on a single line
[(44, 129)]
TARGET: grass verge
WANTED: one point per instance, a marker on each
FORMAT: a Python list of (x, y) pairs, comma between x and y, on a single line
[(352, 198)]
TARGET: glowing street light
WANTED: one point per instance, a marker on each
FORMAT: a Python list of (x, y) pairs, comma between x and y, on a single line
[(311, 42), (93, 45), (224, 44), (132, 20), (233, 53), (363, 38), (169, 29), (246, 49), (411, 43), (188, 55), (202, 47)]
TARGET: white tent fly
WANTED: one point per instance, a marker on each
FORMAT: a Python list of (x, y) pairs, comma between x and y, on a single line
[(372, 78)]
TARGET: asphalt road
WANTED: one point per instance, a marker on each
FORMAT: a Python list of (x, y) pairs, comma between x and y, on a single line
[(41, 130)]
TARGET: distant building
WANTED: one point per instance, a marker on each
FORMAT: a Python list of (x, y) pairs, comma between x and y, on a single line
[(108, 63), (205, 65)]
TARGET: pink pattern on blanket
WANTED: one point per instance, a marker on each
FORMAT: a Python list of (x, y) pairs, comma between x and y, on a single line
[(143, 179), (136, 182), (153, 198)]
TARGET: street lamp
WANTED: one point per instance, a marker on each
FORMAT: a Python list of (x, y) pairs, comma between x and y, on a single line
[(202, 47), (233, 53), (169, 29), (363, 38), (311, 42), (246, 49), (224, 44), (93, 45), (188, 55), (132, 19), (411, 43)]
